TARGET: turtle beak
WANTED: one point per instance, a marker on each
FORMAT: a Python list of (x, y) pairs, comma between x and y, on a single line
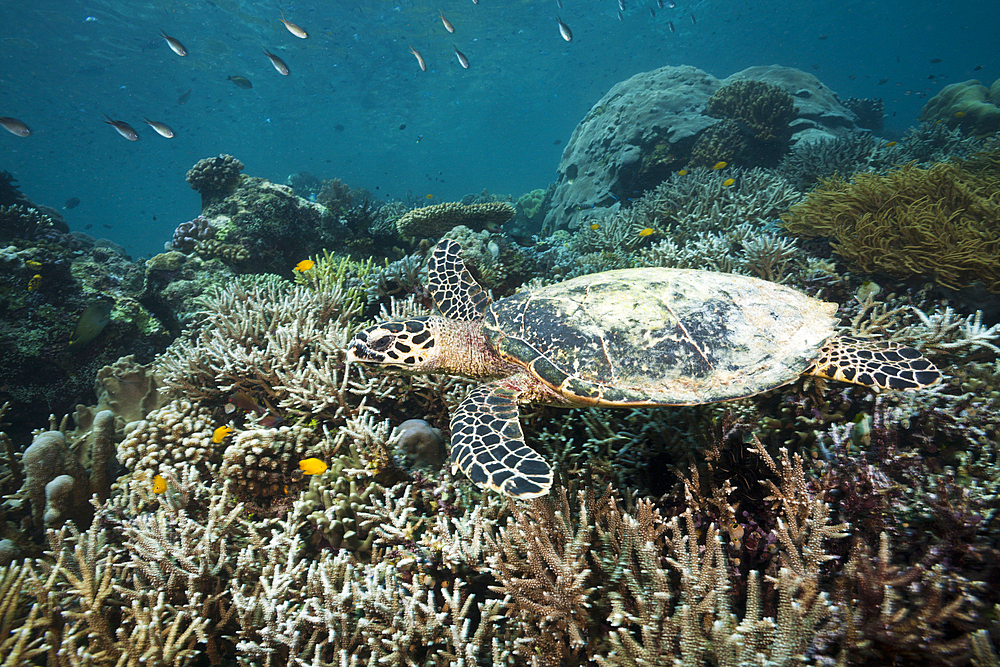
[(358, 352)]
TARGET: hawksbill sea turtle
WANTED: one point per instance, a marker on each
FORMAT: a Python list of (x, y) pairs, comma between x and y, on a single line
[(625, 338)]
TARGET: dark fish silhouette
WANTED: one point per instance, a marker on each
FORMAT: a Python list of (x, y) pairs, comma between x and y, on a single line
[(241, 82)]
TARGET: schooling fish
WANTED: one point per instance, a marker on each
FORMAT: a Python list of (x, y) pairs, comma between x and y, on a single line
[(564, 30), (461, 57), (72, 202), (159, 128), (278, 63), (174, 45), (14, 126), (447, 24), (670, 24), (184, 97), (241, 82), (123, 128), (420, 58), (292, 28)]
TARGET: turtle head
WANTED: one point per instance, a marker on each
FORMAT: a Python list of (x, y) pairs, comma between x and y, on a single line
[(403, 346)]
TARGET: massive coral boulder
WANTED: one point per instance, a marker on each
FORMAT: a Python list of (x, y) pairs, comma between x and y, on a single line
[(969, 105), (647, 126)]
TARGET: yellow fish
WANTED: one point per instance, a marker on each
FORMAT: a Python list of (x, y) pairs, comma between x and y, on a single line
[(729, 181), (647, 231), (959, 114), (682, 172), (720, 165), (159, 484), (430, 197), (34, 283), (220, 433), (594, 226), (313, 466), (32, 264), (891, 144), (305, 265)]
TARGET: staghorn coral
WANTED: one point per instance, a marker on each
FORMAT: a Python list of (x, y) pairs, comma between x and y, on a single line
[(846, 155), (214, 177), (909, 221), (254, 339), (434, 221)]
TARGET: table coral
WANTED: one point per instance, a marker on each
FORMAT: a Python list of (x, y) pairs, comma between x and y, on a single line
[(939, 221), (434, 221)]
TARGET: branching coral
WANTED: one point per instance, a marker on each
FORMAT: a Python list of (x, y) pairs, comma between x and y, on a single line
[(938, 221)]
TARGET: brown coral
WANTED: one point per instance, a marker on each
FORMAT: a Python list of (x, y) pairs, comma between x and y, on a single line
[(214, 177), (227, 252), (762, 110), (261, 462), (435, 221), (939, 221)]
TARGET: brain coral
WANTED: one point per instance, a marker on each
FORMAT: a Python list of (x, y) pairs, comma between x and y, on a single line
[(939, 221), (969, 105)]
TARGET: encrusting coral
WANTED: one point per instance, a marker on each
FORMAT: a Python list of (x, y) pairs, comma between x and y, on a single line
[(938, 221)]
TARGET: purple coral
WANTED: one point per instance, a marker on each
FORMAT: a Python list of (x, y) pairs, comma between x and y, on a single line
[(190, 232)]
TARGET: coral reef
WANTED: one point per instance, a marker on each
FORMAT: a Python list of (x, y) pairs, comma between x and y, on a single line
[(937, 221), (214, 177), (434, 221), (191, 232), (869, 111), (760, 112), (968, 105)]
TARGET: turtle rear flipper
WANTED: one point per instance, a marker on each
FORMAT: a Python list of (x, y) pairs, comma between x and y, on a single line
[(874, 363), (487, 444), (455, 293)]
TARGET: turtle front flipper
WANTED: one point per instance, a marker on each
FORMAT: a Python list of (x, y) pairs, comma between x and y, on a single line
[(874, 363), (456, 294), (487, 444)]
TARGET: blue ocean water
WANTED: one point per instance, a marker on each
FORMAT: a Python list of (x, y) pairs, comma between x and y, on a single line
[(357, 106)]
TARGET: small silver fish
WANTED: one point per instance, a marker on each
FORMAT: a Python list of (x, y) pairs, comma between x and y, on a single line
[(159, 128), (292, 28), (14, 126), (670, 24), (278, 63), (420, 58), (564, 30), (447, 24), (463, 61), (559, 4), (659, 4), (693, 21), (122, 128), (174, 45), (671, 4), (652, 12), (621, 5), (620, 16)]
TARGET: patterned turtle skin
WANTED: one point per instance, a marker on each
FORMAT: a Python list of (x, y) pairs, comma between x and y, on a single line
[(633, 337)]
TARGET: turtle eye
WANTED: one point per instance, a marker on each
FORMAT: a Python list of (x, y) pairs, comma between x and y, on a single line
[(382, 344)]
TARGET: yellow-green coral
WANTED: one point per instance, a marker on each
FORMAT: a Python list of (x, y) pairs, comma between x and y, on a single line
[(531, 203), (939, 221), (969, 105)]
